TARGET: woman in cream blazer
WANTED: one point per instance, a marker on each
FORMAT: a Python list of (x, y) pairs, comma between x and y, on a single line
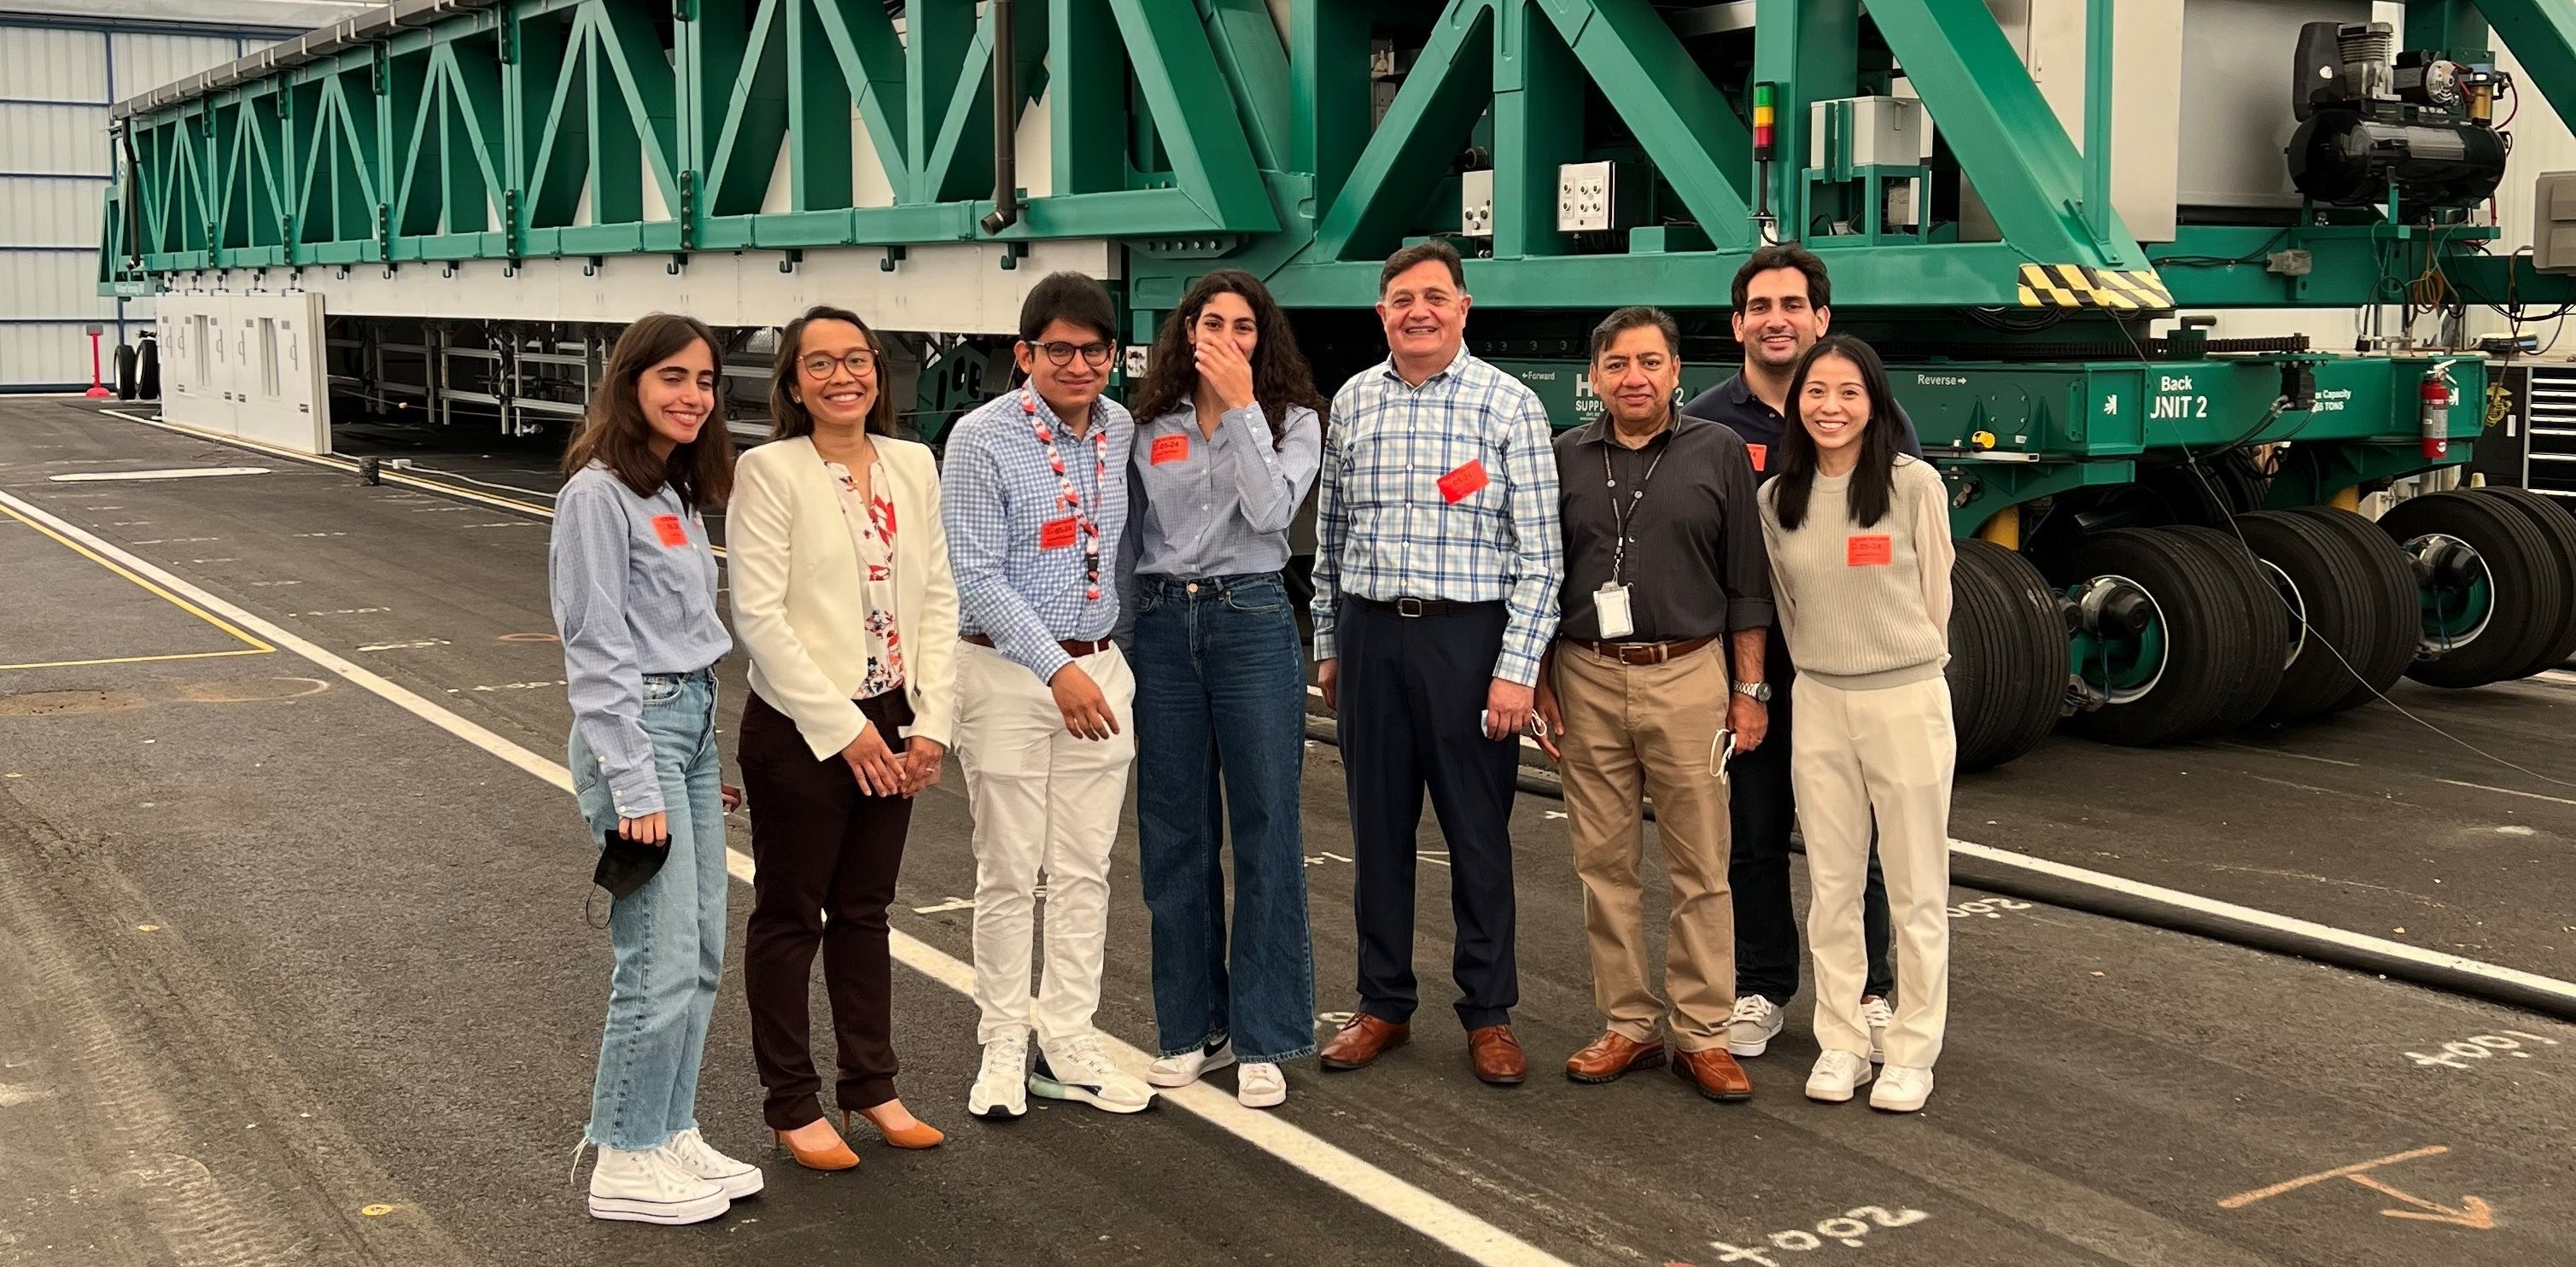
[(842, 595)]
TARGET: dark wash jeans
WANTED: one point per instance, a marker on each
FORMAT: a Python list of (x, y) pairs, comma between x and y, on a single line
[(1221, 734)]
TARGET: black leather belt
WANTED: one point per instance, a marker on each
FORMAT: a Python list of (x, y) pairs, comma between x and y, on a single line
[(1409, 608)]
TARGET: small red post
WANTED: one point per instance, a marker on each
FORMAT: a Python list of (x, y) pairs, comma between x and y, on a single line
[(97, 386)]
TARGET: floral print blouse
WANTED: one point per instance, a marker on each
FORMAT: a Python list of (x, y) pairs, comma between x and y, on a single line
[(872, 529)]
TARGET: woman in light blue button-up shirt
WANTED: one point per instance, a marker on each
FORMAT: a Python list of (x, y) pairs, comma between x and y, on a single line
[(1228, 437), (634, 594)]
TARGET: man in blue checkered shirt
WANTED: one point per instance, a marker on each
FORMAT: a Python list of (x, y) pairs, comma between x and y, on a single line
[(1436, 571)]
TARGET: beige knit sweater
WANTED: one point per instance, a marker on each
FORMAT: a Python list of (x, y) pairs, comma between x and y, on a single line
[(1865, 608)]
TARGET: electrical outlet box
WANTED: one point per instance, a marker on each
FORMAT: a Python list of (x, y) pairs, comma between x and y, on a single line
[(1587, 197), (1866, 132), (2553, 223), (1476, 203)]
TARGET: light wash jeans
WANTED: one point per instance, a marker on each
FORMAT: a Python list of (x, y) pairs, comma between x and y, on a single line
[(668, 935)]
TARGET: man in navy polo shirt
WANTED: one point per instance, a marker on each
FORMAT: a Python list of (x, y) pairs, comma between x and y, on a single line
[(1782, 306)]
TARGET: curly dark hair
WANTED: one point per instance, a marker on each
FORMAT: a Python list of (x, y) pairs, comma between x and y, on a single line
[(1280, 376)]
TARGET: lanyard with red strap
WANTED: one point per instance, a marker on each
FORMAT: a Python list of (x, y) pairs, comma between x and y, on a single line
[(1071, 497)]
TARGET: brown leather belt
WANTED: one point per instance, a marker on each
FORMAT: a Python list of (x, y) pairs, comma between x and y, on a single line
[(1075, 649), (1642, 652)]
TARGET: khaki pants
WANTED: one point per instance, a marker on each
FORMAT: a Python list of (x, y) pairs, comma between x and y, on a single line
[(1888, 751), (1632, 731)]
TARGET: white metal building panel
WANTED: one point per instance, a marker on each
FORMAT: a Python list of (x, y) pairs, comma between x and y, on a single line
[(146, 62), (47, 65), (35, 211), (54, 139)]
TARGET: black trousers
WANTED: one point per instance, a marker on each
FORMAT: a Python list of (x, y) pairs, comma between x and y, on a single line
[(825, 856), (1762, 808), (1412, 693)]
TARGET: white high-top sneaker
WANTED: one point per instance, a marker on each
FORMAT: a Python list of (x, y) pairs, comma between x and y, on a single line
[(1002, 1084), (648, 1187), (1076, 1069), (1190, 1066), (690, 1152)]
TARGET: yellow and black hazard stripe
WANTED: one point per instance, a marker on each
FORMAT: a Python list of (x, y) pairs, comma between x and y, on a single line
[(2077, 286)]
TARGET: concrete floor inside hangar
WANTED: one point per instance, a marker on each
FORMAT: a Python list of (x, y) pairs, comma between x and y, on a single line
[(292, 975)]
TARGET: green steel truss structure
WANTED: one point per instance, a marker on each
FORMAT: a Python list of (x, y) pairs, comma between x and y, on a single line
[(1189, 131)]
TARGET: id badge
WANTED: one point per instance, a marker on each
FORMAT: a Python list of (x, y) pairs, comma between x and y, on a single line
[(1611, 603)]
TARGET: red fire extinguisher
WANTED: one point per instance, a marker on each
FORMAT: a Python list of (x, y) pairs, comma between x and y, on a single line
[(2437, 395)]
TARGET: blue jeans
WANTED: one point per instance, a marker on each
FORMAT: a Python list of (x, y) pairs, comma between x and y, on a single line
[(668, 935), (1221, 732)]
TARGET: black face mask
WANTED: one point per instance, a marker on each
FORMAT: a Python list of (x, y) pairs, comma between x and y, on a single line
[(624, 865)]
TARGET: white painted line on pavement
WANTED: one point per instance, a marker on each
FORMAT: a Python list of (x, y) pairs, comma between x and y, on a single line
[(93, 477), (2507, 791), (1470, 1237)]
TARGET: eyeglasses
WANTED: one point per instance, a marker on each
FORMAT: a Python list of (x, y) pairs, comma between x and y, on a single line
[(861, 364), (1093, 354)]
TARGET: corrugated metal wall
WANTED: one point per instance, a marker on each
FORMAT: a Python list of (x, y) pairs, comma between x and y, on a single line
[(57, 81)]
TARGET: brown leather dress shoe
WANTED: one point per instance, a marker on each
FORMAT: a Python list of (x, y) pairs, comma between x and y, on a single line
[(1498, 1056), (1612, 1055), (1715, 1073), (1361, 1040)]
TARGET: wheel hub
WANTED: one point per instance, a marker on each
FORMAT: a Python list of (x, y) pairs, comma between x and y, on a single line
[(2454, 592), (2117, 642)]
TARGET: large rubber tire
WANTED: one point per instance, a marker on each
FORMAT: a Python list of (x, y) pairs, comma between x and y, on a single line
[(2325, 585), (2512, 621), (2559, 528), (2379, 658), (147, 373), (2258, 676), (2007, 655), (124, 371), (2211, 632)]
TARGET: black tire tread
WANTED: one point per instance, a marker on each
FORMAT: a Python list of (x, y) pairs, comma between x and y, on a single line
[(2333, 581), (2559, 528), (2259, 671), (2008, 655), (2528, 592), (2382, 657), (2212, 632)]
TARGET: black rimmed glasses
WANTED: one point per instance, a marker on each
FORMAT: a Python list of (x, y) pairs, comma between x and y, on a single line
[(1093, 354), (860, 364)]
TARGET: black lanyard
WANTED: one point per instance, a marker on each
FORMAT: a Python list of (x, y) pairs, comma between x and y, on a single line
[(1619, 512)]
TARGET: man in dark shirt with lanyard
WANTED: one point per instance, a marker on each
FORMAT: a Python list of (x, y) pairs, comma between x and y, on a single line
[(1783, 304), (1666, 602)]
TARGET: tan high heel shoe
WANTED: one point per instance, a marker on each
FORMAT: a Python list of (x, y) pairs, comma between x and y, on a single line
[(918, 1135), (815, 1155)]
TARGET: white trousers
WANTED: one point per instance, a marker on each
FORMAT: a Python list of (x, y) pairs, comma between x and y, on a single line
[(1043, 801), (1888, 751)]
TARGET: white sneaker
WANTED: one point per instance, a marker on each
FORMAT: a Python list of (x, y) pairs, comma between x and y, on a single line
[(1835, 1076), (689, 1151), (648, 1187), (1190, 1066), (1260, 1086), (1901, 1089), (1001, 1085), (1754, 1024), (1878, 1015), (1078, 1070)]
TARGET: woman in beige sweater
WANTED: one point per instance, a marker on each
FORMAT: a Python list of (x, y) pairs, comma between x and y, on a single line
[(1860, 570)]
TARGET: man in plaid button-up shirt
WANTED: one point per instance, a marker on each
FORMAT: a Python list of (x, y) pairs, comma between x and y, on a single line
[(1436, 573)]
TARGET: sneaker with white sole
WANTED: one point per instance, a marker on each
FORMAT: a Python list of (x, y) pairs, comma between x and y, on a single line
[(690, 1152), (1190, 1066), (1755, 1022), (1001, 1084), (1901, 1089), (1836, 1075), (1078, 1070), (648, 1187), (1260, 1085), (1878, 1016)]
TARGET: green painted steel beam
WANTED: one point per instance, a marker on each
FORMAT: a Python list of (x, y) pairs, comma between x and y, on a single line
[(1697, 141), (1895, 276), (1177, 75), (1452, 82), (2008, 140), (1086, 98), (1538, 126), (1253, 61)]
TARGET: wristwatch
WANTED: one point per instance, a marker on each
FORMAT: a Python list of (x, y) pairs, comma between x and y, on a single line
[(1760, 692)]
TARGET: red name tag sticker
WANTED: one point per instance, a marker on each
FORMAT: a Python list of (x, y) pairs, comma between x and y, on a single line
[(670, 530), (1760, 453), (1169, 449), (1461, 484), (1874, 550), (1056, 534)]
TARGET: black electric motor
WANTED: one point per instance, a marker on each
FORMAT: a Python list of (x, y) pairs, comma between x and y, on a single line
[(2370, 122), (2349, 159)]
